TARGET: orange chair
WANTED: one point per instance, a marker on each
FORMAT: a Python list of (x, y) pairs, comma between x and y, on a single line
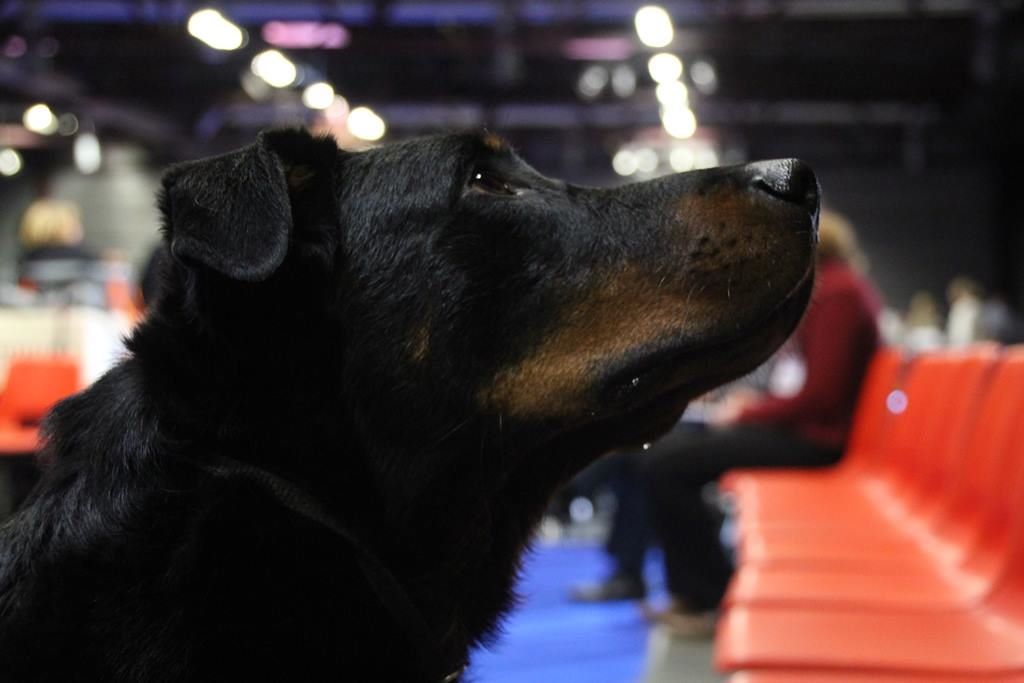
[(34, 385), (985, 640), (960, 550), (847, 677), (865, 518), (809, 502), (122, 297), (869, 425)]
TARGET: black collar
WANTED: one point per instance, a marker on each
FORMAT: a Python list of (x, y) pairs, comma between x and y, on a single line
[(383, 583)]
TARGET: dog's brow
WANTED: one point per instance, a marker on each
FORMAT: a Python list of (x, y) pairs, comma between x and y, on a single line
[(494, 143)]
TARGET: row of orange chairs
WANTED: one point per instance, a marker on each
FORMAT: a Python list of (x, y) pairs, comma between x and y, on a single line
[(34, 384), (906, 561)]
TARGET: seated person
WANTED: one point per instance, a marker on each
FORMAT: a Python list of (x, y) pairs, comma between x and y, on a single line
[(53, 260), (630, 532), (836, 340)]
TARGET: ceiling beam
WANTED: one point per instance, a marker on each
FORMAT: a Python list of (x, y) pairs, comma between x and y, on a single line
[(106, 114), (484, 12), (427, 116)]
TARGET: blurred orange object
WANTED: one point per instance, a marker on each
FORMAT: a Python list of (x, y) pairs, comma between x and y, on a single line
[(853, 677), (915, 466), (956, 550), (953, 604), (865, 446), (34, 384)]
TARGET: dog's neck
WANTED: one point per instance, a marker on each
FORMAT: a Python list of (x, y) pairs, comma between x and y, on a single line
[(451, 532)]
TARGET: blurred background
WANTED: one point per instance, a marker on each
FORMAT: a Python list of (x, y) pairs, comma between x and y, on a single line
[(909, 110)]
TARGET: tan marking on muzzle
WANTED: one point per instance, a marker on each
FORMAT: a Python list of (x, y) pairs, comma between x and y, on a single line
[(732, 218), (626, 312)]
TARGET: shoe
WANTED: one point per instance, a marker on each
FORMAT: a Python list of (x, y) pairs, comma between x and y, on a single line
[(688, 625), (618, 587)]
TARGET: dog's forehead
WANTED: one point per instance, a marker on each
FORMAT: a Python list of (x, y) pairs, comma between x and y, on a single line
[(495, 143), (435, 149), (435, 157)]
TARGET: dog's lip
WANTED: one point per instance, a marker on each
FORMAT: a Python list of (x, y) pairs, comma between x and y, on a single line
[(642, 386)]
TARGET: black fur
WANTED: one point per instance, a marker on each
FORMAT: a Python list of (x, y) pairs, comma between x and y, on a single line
[(341, 320)]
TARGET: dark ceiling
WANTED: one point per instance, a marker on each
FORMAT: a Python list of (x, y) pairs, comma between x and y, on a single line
[(873, 81)]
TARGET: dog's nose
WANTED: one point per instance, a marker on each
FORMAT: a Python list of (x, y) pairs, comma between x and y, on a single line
[(788, 179)]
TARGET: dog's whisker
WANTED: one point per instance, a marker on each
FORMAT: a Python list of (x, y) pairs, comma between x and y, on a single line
[(451, 432)]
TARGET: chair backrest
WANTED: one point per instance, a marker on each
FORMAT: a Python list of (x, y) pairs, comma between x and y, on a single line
[(871, 416), (34, 384), (1005, 490), (940, 460), (916, 413), (989, 471)]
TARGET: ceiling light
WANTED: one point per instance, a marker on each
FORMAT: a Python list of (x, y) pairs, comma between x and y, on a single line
[(364, 124), (67, 124), (623, 80), (40, 119), (318, 95), (672, 94), (665, 67), (704, 77), (212, 28), (338, 111), (274, 68), (681, 159), (592, 81), (646, 160), (306, 35), (654, 26), (87, 153), (679, 122), (10, 162), (624, 162)]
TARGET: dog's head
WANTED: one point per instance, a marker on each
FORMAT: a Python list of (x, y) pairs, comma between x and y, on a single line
[(456, 291)]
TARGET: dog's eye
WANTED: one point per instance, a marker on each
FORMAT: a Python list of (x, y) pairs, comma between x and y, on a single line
[(482, 181)]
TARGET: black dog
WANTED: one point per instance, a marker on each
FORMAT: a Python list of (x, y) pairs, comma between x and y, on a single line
[(367, 375)]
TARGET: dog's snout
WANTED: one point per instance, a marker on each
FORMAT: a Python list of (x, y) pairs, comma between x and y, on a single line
[(788, 179)]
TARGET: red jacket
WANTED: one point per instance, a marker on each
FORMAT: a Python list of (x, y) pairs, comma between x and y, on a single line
[(837, 338)]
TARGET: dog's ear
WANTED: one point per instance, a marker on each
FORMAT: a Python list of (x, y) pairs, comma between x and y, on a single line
[(232, 213)]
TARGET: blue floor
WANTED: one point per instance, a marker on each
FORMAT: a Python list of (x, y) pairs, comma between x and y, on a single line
[(550, 640)]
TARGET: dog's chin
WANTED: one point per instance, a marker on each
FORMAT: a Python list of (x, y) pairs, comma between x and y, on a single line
[(650, 399)]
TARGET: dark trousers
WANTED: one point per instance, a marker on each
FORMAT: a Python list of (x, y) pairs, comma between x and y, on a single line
[(631, 530), (676, 469)]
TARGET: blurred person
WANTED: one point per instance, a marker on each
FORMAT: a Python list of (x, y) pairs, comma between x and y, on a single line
[(998, 322), (54, 262), (630, 533), (964, 298), (808, 428), (891, 325), (51, 238), (923, 323)]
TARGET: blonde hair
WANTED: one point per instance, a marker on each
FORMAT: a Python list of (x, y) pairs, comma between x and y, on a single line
[(962, 285), (50, 222), (837, 239)]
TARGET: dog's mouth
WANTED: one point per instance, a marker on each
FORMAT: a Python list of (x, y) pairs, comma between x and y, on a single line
[(643, 400)]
